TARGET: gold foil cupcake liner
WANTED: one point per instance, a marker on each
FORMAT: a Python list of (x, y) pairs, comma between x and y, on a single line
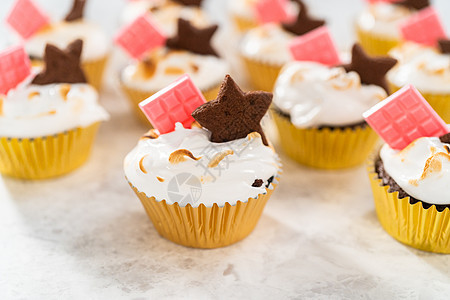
[(439, 102), (375, 45), (93, 69), (45, 157), (422, 228), (205, 227), (262, 75), (136, 96), (243, 24), (325, 148)]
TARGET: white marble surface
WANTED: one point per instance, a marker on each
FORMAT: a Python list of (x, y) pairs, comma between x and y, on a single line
[(86, 236)]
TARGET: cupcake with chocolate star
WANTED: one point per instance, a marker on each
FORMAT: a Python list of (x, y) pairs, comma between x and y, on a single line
[(221, 168), (49, 121), (190, 52), (318, 109), (410, 174), (62, 33), (378, 27), (265, 49)]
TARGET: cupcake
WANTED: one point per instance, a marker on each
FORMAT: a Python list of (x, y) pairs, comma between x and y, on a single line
[(49, 121), (243, 13), (265, 49), (205, 186), (62, 33), (188, 52), (428, 69), (410, 180), (378, 27), (318, 109)]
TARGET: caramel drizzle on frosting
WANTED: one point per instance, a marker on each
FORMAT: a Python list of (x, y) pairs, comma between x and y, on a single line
[(141, 165), (160, 179), (219, 157), (65, 89), (151, 134), (33, 94), (180, 155)]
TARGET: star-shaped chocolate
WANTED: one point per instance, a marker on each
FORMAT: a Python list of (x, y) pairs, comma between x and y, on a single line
[(190, 2), (234, 113), (193, 39), (62, 66), (444, 46), (414, 4), (371, 70), (77, 11), (304, 23)]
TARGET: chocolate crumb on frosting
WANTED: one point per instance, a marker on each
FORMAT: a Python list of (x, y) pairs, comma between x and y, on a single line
[(233, 114), (62, 66), (413, 4), (444, 46), (371, 70), (258, 183), (190, 2), (445, 138), (304, 23), (387, 180), (193, 39), (77, 11)]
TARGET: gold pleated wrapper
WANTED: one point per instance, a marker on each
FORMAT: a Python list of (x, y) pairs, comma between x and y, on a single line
[(136, 96), (243, 24), (262, 75), (46, 157), (93, 69), (325, 148), (375, 45), (205, 227), (439, 102), (411, 224)]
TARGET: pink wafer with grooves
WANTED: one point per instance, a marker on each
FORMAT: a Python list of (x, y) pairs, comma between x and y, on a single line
[(272, 11), (172, 104), (26, 18), (423, 27), (316, 45), (140, 36), (404, 117), (15, 66)]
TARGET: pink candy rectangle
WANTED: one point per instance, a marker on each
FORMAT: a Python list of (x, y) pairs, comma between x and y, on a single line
[(172, 104), (140, 36), (272, 11), (404, 117), (26, 18), (423, 27), (316, 45), (15, 66)]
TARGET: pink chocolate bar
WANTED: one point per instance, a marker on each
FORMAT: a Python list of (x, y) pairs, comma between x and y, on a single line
[(423, 27), (272, 11), (15, 66), (316, 45), (140, 36), (404, 117), (26, 18), (172, 104)]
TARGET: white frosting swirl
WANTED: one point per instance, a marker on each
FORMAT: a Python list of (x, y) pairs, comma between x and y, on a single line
[(41, 110), (268, 43), (165, 14), (223, 172), (424, 67), (95, 42), (383, 19), (422, 169), (316, 95), (206, 71)]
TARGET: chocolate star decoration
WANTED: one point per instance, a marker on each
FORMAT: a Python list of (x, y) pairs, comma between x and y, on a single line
[(77, 11), (190, 2), (234, 113), (62, 66), (304, 23), (444, 46), (371, 70), (414, 4), (193, 39)]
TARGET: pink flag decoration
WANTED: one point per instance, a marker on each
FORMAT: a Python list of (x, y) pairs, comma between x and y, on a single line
[(404, 117), (272, 11), (15, 66), (172, 104), (424, 27), (26, 18)]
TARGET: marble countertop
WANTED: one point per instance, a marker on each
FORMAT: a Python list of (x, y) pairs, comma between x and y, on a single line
[(86, 236)]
